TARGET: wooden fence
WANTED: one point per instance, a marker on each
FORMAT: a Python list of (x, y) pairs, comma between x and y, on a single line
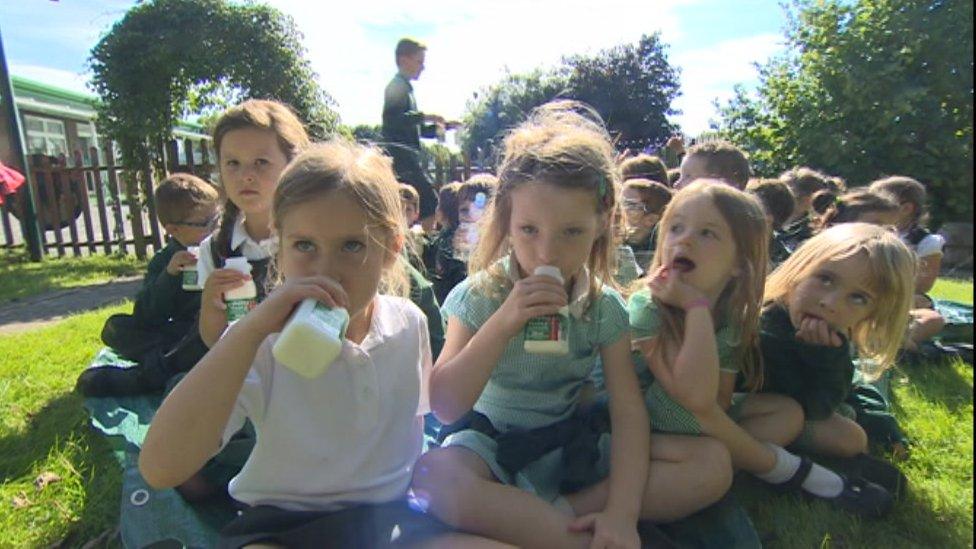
[(100, 207)]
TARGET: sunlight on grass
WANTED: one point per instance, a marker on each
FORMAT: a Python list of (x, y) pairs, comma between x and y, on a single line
[(57, 274)]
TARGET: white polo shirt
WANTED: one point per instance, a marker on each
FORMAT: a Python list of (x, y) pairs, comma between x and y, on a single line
[(251, 249), (349, 436)]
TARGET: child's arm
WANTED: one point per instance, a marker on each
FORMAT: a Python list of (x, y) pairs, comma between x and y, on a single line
[(187, 429), (693, 378), (726, 387), (213, 311), (159, 299), (469, 357), (629, 448)]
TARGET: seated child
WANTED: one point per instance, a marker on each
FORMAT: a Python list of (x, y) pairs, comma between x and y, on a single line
[(334, 454), (910, 194), (854, 206), (718, 160), (473, 199), (848, 286), (643, 203), (410, 200), (777, 200), (696, 331), (164, 312), (644, 166), (443, 267), (804, 182)]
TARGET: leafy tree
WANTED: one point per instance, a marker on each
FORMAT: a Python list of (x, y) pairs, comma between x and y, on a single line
[(866, 89), (632, 86), (168, 58), (366, 132)]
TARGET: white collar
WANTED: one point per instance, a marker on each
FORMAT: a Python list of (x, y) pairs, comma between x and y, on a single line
[(578, 298), (240, 236)]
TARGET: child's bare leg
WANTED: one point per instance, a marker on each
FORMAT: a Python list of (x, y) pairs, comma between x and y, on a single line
[(747, 453), (771, 418), (837, 436), (462, 492), (687, 473), (458, 540)]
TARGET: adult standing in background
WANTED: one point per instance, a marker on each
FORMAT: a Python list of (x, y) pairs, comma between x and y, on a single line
[(404, 125)]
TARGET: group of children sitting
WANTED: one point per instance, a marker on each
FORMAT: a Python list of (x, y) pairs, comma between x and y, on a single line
[(692, 324)]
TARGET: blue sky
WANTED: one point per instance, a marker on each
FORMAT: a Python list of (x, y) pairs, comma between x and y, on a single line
[(471, 43)]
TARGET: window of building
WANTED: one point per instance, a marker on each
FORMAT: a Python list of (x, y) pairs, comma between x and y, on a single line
[(45, 136), (87, 138)]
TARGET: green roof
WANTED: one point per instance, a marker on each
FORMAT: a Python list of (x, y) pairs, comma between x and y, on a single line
[(73, 104)]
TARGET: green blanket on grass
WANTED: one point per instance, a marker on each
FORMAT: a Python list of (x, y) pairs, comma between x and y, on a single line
[(149, 516)]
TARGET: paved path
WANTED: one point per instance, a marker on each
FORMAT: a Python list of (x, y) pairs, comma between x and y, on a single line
[(40, 310)]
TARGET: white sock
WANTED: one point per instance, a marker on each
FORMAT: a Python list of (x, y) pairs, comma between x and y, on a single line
[(820, 481)]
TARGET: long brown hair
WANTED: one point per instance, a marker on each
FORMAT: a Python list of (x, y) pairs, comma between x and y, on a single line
[(259, 114), (562, 143), (738, 306)]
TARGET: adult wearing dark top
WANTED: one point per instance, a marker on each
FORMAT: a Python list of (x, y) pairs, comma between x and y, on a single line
[(404, 125)]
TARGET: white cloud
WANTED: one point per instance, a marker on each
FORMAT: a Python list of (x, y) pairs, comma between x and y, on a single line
[(710, 73), (469, 45)]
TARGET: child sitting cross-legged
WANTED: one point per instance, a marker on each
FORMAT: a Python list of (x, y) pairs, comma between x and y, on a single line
[(164, 311)]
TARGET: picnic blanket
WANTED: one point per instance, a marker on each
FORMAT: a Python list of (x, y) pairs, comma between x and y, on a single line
[(150, 516)]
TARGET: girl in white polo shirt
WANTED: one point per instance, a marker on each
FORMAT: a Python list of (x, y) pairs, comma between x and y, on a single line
[(335, 453)]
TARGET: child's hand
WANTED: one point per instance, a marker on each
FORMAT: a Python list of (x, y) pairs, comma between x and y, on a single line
[(271, 315), (220, 281), (666, 285), (816, 331), (179, 260), (609, 530), (536, 295)]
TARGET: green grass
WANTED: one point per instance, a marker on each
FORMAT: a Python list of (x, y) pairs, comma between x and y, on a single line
[(60, 273), (43, 428), (953, 289)]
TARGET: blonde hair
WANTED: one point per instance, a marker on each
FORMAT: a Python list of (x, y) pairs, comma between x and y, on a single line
[(738, 306), (564, 144), (892, 267), (362, 173)]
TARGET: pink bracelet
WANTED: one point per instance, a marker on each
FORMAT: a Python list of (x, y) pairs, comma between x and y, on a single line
[(698, 302)]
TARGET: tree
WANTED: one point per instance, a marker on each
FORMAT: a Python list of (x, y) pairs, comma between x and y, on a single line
[(167, 58), (868, 88), (632, 86)]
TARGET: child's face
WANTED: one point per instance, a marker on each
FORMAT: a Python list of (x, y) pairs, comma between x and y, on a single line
[(330, 236), (250, 162), (635, 211), (553, 226), (693, 167), (698, 244), (410, 212), (197, 225), (835, 292), (468, 213)]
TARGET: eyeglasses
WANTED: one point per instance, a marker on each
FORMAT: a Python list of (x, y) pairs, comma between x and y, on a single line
[(209, 223), (635, 206)]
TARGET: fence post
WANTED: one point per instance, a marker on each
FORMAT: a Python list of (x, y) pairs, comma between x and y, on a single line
[(135, 211), (100, 200), (86, 203), (147, 182), (32, 233)]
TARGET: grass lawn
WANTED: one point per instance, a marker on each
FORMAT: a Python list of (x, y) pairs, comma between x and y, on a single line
[(60, 273), (43, 429)]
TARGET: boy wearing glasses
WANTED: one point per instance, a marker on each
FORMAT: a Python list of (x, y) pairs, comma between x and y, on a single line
[(164, 312), (643, 203)]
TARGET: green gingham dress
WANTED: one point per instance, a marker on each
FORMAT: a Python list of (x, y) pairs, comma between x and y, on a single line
[(667, 415), (527, 391)]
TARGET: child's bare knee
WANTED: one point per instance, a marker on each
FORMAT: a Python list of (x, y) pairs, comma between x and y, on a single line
[(441, 481), (715, 463), (855, 440)]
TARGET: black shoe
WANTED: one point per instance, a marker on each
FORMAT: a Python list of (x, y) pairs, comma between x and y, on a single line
[(862, 497), (108, 381), (880, 472)]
